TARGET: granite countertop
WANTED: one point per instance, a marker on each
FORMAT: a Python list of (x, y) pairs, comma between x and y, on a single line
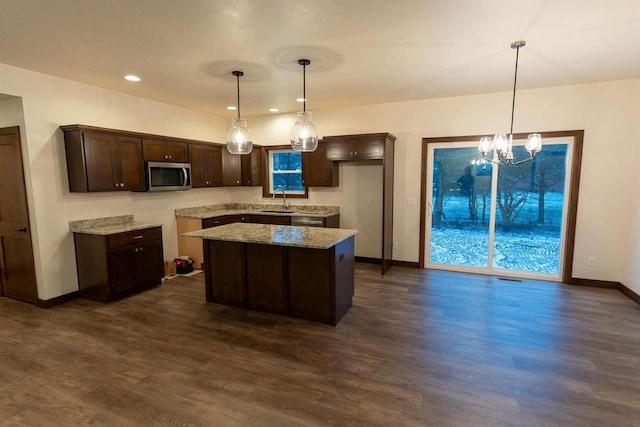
[(281, 235), (203, 212), (109, 225)]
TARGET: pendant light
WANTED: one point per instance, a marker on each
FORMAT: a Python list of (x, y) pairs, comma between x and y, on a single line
[(503, 144), (304, 135), (239, 137)]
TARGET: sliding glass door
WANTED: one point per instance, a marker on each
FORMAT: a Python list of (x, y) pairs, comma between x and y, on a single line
[(506, 220)]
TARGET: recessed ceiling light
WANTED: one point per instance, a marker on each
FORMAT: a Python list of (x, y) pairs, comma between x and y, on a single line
[(132, 78), (273, 110), (300, 100), (232, 107)]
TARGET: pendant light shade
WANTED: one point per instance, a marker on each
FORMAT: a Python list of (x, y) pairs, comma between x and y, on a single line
[(239, 138), (502, 143), (304, 135)]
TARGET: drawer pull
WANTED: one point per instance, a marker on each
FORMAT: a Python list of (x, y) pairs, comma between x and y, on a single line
[(137, 237)]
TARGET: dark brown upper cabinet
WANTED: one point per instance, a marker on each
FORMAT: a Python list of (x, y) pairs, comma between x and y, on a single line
[(206, 165), (159, 150), (357, 147), (317, 169), (103, 161), (242, 169)]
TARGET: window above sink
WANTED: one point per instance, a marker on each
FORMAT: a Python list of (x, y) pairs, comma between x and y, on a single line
[(283, 168)]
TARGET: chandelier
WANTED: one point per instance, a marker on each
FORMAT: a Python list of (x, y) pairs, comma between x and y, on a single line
[(503, 144)]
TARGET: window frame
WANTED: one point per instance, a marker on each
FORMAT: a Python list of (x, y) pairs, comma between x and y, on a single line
[(267, 175)]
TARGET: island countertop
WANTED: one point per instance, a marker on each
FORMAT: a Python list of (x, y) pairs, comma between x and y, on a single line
[(281, 235)]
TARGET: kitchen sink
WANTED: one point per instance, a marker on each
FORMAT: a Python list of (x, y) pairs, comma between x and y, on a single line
[(275, 211)]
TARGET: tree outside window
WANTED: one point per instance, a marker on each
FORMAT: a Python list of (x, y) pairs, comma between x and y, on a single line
[(284, 172)]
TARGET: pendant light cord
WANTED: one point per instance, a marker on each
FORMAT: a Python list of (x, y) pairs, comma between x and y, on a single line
[(304, 63), (238, 85), (515, 80), (238, 74), (304, 87)]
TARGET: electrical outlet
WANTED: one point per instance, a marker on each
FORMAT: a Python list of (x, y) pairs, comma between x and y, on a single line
[(106, 209), (370, 200), (411, 201), (591, 261), (395, 246)]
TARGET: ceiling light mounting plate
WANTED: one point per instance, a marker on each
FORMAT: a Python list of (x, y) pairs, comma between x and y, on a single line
[(304, 62), (518, 44), (237, 73)]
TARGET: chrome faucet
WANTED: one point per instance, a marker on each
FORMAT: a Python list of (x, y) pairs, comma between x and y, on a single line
[(284, 197)]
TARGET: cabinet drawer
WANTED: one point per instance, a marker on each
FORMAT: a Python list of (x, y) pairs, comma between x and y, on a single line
[(270, 219), (133, 237), (222, 220)]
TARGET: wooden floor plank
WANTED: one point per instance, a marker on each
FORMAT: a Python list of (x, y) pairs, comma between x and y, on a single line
[(418, 348)]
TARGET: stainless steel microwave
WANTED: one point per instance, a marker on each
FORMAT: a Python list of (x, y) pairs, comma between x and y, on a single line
[(163, 176)]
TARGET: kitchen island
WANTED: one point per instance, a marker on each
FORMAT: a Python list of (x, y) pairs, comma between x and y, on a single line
[(304, 272), (199, 217)]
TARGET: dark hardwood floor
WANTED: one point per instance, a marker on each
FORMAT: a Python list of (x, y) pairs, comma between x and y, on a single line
[(425, 348)]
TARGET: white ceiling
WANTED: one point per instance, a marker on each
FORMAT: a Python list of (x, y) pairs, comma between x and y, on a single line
[(361, 51)]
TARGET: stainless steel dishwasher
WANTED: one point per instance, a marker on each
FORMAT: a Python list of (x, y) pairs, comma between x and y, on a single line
[(307, 221)]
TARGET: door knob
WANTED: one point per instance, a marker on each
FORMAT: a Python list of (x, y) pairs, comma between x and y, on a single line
[(22, 230)]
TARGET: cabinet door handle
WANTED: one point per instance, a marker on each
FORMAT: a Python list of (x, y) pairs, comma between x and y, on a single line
[(137, 237), (136, 249), (141, 249), (116, 185)]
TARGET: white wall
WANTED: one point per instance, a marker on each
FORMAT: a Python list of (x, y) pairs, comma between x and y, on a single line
[(606, 111), (49, 102), (608, 213), (631, 276)]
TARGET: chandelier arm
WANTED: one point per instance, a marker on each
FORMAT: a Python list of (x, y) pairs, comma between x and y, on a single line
[(528, 159), (493, 162)]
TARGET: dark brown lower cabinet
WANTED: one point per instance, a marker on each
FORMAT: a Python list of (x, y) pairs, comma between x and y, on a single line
[(225, 269), (321, 282), (266, 267), (117, 265), (312, 284)]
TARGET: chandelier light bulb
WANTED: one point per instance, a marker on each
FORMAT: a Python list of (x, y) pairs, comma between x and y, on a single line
[(534, 144)]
